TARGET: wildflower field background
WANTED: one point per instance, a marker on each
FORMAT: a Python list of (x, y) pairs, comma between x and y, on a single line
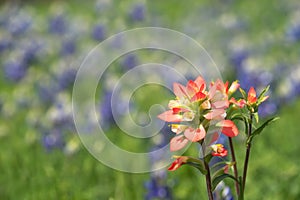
[(42, 46)]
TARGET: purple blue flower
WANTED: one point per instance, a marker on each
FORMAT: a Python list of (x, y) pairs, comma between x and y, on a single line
[(106, 115), (53, 139), (15, 70), (129, 62), (99, 32), (68, 47), (138, 12), (58, 24), (67, 78), (156, 186)]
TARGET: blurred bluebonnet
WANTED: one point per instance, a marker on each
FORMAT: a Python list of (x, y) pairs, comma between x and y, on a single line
[(102, 5), (68, 47), (19, 23), (295, 78), (66, 78), (58, 24), (129, 61), (99, 32), (238, 57), (47, 93), (31, 51), (61, 118), (268, 108), (15, 70), (53, 139), (106, 115), (222, 192), (157, 187), (5, 43), (138, 12), (293, 33)]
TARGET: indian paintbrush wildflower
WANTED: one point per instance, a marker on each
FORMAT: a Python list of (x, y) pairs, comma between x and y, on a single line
[(195, 109), (199, 112)]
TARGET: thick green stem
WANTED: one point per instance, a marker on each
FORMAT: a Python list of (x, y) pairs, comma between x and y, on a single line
[(208, 181), (235, 171), (248, 148)]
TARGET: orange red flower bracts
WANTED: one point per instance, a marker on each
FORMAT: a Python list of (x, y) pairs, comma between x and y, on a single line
[(195, 108), (218, 150), (180, 160)]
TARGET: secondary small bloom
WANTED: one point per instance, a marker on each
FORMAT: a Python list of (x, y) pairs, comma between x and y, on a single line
[(240, 103), (218, 150), (180, 160), (252, 99)]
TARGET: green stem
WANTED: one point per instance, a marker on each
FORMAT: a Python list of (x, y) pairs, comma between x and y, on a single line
[(208, 181), (248, 148), (235, 171)]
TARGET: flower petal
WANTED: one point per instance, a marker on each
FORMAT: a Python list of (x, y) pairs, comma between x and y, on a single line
[(206, 105), (264, 98), (240, 103), (221, 104), (177, 163), (178, 128), (198, 96), (195, 135), (215, 114), (179, 90), (252, 96), (178, 142), (168, 116), (192, 88), (173, 104), (201, 83), (234, 86), (228, 128)]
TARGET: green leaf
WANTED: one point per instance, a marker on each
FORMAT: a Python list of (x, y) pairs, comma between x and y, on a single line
[(197, 163), (198, 166), (218, 179), (256, 117), (261, 128), (243, 93), (262, 94), (221, 163), (238, 116), (208, 157), (264, 125)]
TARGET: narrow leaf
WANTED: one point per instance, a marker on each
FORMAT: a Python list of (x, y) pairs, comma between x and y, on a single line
[(243, 93), (261, 128), (263, 92), (220, 178), (198, 166), (256, 117), (264, 125), (197, 163)]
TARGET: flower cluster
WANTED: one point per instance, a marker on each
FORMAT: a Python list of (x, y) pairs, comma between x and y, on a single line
[(199, 111), (195, 109)]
